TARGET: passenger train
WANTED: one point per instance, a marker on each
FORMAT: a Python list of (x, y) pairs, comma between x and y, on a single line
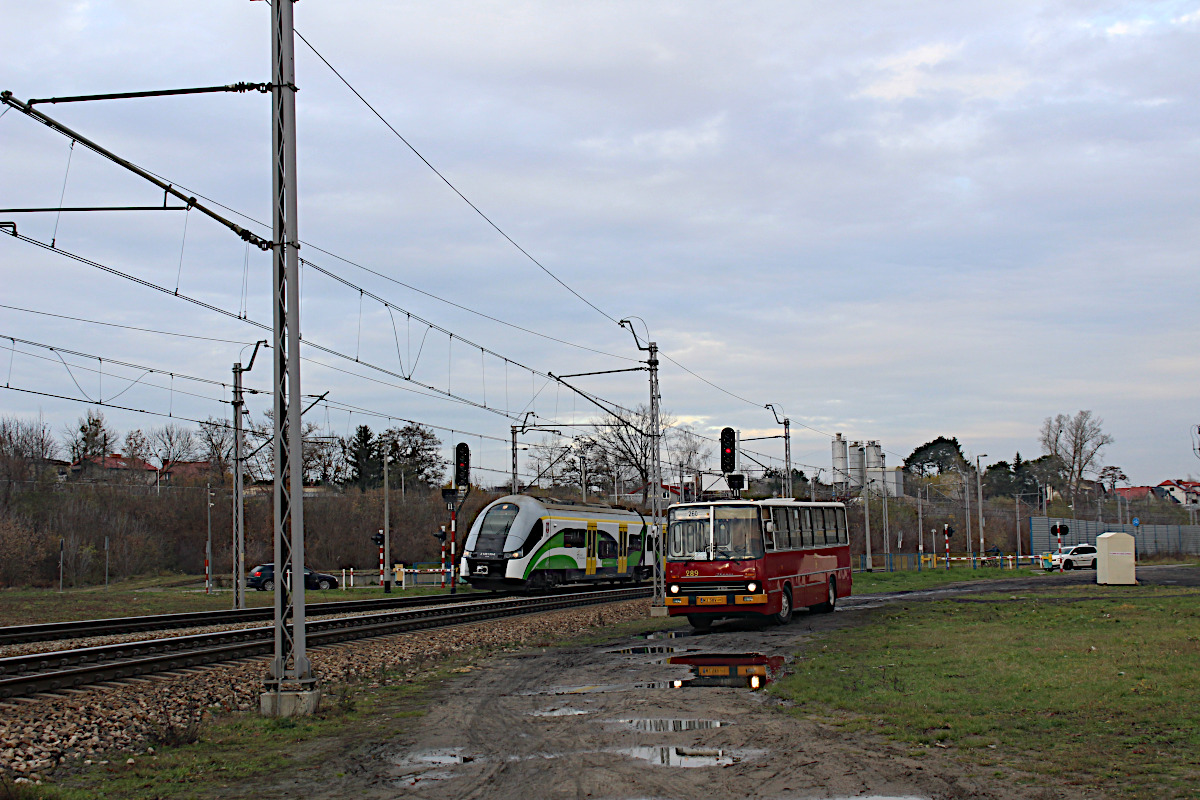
[(534, 543)]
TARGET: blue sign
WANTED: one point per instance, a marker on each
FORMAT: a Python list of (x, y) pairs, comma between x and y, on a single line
[(1136, 522)]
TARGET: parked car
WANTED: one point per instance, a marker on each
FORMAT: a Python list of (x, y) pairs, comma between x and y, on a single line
[(1075, 557), (262, 578)]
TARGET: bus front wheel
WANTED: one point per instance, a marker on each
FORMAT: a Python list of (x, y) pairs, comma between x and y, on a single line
[(699, 621), (784, 615)]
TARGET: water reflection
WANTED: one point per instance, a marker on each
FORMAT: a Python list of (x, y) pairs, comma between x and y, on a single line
[(736, 670), (672, 725), (686, 756)]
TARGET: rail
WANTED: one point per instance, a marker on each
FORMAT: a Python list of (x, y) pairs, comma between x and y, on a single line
[(67, 669)]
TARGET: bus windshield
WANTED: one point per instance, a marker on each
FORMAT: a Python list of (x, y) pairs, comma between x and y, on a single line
[(733, 534)]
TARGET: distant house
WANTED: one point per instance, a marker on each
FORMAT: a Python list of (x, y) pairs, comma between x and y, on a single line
[(1183, 492), (114, 467), (1133, 493), (184, 471)]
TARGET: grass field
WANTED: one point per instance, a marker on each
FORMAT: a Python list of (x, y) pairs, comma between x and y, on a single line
[(1097, 684), (872, 582), (169, 594)]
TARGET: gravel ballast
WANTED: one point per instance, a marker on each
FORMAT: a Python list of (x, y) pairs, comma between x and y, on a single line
[(40, 733)]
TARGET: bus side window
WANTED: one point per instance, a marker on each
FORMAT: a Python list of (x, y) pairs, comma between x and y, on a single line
[(781, 528), (818, 515), (843, 531), (806, 526)]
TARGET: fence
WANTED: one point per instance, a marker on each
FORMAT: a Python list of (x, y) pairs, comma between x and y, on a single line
[(899, 562), (421, 574), (1148, 539)]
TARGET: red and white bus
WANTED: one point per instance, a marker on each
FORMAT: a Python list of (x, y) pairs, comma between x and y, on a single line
[(755, 558)]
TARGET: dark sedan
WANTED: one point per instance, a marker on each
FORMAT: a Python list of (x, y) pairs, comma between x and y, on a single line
[(262, 578)]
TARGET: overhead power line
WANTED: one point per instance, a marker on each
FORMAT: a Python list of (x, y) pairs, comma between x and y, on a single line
[(453, 188)]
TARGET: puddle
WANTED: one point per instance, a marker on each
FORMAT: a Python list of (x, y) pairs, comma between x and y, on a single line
[(737, 670), (559, 712), (644, 650), (414, 778), (590, 689), (686, 756), (423, 766), (440, 758), (672, 725), (667, 634)]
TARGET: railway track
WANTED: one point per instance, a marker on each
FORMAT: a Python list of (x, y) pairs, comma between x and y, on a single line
[(70, 669), (78, 629)]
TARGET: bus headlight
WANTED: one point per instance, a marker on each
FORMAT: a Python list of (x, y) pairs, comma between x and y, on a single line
[(674, 588), (751, 586)]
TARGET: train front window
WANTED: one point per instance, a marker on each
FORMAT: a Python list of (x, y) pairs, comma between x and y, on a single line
[(494, 529)]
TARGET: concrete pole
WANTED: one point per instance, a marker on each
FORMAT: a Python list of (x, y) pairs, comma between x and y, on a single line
[(239, 503), (787, 454), (866, 503), (660, 578), (979, 488), (208, 504), (514, 458), (387, 525)]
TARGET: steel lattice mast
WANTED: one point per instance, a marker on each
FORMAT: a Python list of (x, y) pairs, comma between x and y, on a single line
[(291, 687)]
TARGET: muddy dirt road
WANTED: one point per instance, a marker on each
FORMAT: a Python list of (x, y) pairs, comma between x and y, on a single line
[(665, 717)]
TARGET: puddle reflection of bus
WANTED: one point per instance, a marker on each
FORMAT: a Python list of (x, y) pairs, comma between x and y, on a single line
[(738, 671), (764, 558)]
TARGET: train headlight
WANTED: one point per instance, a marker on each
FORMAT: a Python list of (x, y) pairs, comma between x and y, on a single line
[(755, 682), (751, 586), (674, 588), (513, 554)]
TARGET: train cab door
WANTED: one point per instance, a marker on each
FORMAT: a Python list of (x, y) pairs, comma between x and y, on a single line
[(623, 549), (593, 537)]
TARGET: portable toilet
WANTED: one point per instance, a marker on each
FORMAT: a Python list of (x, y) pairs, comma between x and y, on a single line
[(1115, 558)]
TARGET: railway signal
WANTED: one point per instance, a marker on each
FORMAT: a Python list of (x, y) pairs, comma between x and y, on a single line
[(462, 465), (377, 538), (728, 450)]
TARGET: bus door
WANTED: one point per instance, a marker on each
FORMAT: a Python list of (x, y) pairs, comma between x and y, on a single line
[(592, 536), (623, 548)]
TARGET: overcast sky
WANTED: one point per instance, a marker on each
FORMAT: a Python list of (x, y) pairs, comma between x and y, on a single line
[(893, 220)]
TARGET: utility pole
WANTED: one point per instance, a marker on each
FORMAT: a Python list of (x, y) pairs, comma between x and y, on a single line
[(979, 488), (659, 607), (1017, 515), (387, 530), (291, 687), (787, 447), (514, 458), (208, 504), (239, 482), (966, 488), (866, 502)]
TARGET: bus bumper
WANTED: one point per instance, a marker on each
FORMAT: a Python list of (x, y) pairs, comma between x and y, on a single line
[(714, 602)]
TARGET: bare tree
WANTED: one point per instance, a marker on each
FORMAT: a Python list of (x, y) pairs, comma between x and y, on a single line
[(628, 441), (550, 459), (215, 441), (1110, 475), (173, 443), (90, 437), (1077, 443)]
